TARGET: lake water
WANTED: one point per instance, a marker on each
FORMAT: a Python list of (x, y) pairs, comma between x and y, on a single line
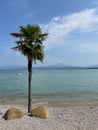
[(50, 84)]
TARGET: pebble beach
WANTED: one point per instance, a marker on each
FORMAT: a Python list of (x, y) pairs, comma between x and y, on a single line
[(75, 117)]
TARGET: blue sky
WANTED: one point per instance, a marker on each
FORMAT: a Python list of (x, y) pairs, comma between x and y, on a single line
[(72, 26)]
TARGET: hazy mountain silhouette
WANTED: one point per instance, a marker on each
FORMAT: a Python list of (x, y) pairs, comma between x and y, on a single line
[(55, 66)]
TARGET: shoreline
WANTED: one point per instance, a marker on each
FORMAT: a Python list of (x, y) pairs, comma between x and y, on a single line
[(52, 103)]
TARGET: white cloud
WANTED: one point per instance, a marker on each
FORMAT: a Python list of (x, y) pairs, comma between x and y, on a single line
[(87, 48), (60, 28)]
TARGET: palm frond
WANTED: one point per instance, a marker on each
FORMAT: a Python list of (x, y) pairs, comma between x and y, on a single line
[(30, 42), (17, 35)]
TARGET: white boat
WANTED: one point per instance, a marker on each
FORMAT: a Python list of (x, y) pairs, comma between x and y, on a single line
[(20, 74)]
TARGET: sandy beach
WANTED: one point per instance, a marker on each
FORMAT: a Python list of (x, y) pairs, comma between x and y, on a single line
[(62, 117)]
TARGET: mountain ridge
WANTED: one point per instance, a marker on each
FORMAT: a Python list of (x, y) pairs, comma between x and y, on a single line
[(55, 66)]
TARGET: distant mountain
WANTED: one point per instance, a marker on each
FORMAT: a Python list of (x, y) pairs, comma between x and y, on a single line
[(92, 67), (56, 66), (63, 66), (59, 66), (12, 67)]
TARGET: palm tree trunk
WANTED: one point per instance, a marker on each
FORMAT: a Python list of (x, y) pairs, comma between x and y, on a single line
[(29, 84)]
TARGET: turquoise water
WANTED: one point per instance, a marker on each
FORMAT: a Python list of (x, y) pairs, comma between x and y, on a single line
[(53, 85)]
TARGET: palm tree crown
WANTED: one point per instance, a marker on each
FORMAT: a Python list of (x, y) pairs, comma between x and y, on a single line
[(30, 42)]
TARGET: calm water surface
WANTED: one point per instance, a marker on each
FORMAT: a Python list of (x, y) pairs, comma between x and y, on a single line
[(57, 85)]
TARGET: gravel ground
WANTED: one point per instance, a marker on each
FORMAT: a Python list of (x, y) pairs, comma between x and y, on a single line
[(61, 118)]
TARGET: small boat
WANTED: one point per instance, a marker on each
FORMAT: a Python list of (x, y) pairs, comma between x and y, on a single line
[(20, 74)]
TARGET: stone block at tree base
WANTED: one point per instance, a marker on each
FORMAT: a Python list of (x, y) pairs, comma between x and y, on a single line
[(13, 113), (40, 111)]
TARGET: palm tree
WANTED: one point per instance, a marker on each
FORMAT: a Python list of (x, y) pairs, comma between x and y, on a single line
[(30, 44)]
